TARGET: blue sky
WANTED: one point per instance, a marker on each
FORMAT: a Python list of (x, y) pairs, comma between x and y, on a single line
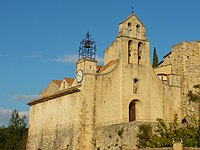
[(39, 39)]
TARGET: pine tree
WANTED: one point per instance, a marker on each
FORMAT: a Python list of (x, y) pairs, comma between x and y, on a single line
[(155, 58), (15, 133)]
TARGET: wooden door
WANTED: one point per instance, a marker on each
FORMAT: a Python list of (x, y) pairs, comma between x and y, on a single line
[(132, 111)]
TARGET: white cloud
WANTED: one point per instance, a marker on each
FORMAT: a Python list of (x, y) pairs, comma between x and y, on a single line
[(68, 59), (31, 56), (5, 115), (24, 97), (34, 54), (100, 60)]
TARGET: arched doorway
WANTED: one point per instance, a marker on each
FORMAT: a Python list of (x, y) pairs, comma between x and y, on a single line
[(132, 111)]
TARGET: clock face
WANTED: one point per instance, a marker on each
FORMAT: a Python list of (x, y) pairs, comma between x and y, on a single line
[(79, 76)]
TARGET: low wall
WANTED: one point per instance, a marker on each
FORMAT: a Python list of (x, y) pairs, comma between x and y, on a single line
[(117, 137), (124, 137)]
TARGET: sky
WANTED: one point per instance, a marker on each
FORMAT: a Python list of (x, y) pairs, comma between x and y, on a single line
[(39, 39)]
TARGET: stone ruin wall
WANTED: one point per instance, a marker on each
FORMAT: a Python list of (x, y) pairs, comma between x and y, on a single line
[(186, 63)]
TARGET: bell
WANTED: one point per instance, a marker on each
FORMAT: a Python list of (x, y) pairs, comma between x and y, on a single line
[(87, 44)]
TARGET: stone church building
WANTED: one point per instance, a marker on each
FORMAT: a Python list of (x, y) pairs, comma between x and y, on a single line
[(101, 107)]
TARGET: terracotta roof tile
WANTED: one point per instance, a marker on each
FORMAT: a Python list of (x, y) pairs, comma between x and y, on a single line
[(69, 80), (110, 63), (55, 95), (58, 82)]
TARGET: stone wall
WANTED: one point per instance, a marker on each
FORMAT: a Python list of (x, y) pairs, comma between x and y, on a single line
[(185, 62), (53, 87), (52, 126), (116, 136), (123, 136)]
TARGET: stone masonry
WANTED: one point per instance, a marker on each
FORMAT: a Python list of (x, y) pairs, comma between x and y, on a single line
[(102, 107)]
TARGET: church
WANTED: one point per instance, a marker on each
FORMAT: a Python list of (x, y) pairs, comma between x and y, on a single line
[(102, 106)]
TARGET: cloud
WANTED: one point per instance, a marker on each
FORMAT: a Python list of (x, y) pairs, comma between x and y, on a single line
[(66, 59), (31, 56), (24, 97), (100, 60), (5, 115), (34, 54), (71, 59)]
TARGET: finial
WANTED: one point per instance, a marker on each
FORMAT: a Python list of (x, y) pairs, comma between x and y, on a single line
[(88, 34), (132, 9)]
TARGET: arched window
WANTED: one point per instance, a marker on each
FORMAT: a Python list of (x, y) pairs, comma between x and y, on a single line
[(135, 86), (63, 85), (132, 111), (137, 30), (129, 29), (140, 46), (130, 48)]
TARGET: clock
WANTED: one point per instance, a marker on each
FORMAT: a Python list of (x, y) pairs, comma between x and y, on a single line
[(79, 76)]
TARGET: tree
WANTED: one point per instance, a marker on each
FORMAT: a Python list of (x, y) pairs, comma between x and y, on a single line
[(162, 134), (194, 96), (14, 136), (155, 58), (145, 133)]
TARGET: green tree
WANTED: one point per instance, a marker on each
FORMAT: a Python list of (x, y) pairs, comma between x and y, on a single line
[(162, 134), (155, 58), (14, 136), (145, 133), (194, 96)]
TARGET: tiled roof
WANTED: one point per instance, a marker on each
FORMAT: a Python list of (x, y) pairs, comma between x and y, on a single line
[(110, 63), (69, 80), (54, 95), (98, 67), (58, 82)]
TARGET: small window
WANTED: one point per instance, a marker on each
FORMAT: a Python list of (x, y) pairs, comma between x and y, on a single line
[(184, 121), (130, 47), (137, 30), (63, 87), (135, 86), (140, 47), (163, 78), (129, 29)]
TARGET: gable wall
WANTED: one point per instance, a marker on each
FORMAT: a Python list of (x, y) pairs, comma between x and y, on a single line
[(52, 125)]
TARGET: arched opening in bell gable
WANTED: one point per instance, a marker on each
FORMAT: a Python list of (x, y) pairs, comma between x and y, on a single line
[(140, 49), (129, 29), (137, 31), (130, 49)]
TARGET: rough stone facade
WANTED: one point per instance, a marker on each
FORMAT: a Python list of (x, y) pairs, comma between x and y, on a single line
[(183, 61), (101, 108), (117, 136)]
